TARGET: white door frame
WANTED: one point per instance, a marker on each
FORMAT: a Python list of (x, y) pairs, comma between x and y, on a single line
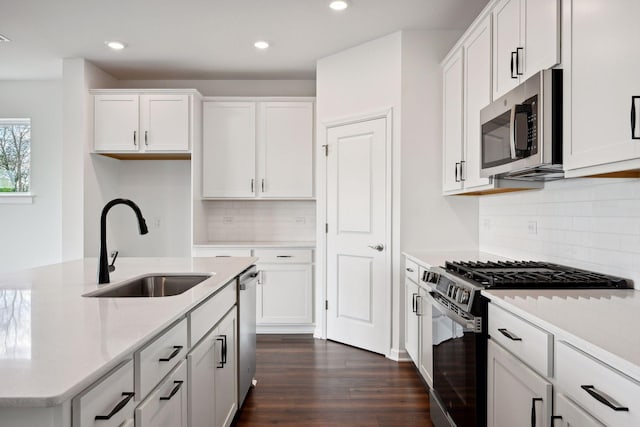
[(321, 215)]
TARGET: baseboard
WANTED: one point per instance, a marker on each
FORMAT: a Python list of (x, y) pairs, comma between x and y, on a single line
[(285, 329), (399, 355)]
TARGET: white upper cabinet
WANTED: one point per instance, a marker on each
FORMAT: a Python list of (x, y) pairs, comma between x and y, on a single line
[(229, 149), (257, 149), (452, 82), (285, 149), (477, 95), (600, 85), (135, 122), (526, 39)]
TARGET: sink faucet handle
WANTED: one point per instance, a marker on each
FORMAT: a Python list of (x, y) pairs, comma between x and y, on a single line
[(112, 266)]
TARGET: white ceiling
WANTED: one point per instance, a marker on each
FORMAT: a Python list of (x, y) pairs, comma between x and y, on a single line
[(204, 39)]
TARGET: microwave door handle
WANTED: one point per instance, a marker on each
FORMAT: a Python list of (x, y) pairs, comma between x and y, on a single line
[(512, 138)]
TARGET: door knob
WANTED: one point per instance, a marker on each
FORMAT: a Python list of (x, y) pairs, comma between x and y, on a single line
[(379, 247)]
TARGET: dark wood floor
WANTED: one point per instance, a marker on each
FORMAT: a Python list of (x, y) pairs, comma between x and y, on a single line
[(308, 382)]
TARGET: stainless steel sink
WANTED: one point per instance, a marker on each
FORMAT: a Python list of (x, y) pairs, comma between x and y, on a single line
[(151, 286)]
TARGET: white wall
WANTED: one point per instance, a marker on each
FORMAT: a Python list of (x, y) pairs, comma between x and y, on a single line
[(231, 87), (31, 234), (585, 223), (401, 71)]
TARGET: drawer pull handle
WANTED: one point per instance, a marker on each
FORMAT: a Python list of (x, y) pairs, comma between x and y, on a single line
[(223, 351), (118, 407), (413, 303), (603, 398), (284, 256), (509, 334), (533, 410), (177, 349), (410, 270), (176, 388)]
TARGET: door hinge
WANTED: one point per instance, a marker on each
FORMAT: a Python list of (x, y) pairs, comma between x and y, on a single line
[(326, 304), (326, 150), (326, 227)]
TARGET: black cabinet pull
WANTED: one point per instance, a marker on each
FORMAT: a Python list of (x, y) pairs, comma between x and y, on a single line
[(118, 407), (410, 270), (533, 410), (513, 55), (554, 418), (633, 117), (462, 178), (223, 351), (509, 334), (176, 388), (457, 164), (284, 256), (176, 350), (413, 303), (603, 398), (146, 137), (518, 50), (134, 137)]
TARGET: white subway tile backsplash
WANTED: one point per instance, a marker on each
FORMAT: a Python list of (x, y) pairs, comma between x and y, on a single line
[(263, 220), (586, 223)]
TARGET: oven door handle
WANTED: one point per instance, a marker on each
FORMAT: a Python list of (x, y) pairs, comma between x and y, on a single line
[(474, 324)]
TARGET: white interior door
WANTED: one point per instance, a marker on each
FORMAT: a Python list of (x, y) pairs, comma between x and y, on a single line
[(358, 282)]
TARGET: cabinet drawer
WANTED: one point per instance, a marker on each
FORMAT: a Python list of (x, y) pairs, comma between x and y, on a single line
[(283, 256), (531, 344), (158, 358), (579, 374), (411, 270), (220, 252), (167, 404), (110, 397), (205, 316)]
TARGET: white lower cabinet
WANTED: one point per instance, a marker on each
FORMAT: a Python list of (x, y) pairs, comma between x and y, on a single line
[(412, 330), (568, 414), (212, 372), (517, 396), (425, 309), (284, 294), (166, 406), (108, 403)]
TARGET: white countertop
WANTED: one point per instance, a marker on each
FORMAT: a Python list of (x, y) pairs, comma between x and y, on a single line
[(603, 323), (257, 244), (54, 342), (438, 258)]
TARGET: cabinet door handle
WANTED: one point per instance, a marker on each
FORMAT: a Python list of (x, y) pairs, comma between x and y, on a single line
[(509, 334), (634, 117), (603, 398), (413, 303), (134, 137), (533, 410), (513, 56), (146, 137), (554, 418), (117, 408), (262, 185), (462, 178), (457, 164), (418, 299), (176, 388), (252, 185), (518, 62), (223, 351), (176, 350)]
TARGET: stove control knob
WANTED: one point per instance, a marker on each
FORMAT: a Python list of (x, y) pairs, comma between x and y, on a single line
[(454, 294), (464, 297)]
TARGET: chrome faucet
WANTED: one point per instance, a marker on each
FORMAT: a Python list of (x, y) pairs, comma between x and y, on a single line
[(103, 264)]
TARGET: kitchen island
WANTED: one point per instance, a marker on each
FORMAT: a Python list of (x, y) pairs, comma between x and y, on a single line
[(56, 342)]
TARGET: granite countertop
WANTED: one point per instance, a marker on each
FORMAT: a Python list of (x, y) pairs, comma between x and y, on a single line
[(602, 323), (54, 342)]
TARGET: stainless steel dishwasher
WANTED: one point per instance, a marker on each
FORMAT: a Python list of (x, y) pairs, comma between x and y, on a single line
[(246, 331)]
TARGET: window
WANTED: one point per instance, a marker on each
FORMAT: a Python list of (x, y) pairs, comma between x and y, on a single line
[(15, 155)]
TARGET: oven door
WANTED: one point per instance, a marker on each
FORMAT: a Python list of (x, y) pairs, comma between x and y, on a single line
[(459, 367)]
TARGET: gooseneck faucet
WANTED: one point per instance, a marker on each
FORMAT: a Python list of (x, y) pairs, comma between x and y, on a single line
[(103, 264)]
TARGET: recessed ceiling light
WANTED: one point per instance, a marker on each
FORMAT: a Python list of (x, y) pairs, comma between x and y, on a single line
[(115, 45), (339, 4), (261, 44), (4, 39)]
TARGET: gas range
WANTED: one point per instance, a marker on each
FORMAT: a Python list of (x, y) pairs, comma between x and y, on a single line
[(459, 282)]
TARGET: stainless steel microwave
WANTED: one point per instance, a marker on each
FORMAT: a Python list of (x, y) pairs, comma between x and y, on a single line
[(522, 131)]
